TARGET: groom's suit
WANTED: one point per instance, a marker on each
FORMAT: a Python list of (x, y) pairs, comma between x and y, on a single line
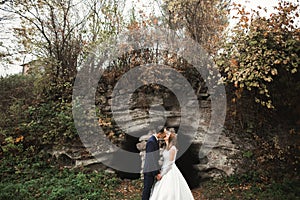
[(151, 166)]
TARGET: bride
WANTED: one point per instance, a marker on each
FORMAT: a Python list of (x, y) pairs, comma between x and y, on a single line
[(171, 184)]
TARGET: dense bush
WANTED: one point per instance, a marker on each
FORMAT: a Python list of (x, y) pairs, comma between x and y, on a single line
[(19, 101), (28, 124), (262, 54), (50, 123), (259, 62)]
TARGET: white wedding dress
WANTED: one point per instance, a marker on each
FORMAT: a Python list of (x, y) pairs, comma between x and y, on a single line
[(172, 186)]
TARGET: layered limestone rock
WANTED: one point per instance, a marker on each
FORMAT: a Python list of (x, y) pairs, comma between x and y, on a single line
[(149, 109)]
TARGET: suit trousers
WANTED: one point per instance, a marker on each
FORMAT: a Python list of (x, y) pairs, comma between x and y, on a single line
[(148, 183)]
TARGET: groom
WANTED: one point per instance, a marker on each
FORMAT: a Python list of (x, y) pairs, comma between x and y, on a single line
[(151, 166)]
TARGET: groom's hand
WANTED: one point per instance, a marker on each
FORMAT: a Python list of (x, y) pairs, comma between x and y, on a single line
[(158, 177)]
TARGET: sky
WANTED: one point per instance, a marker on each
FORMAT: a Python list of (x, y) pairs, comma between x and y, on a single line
[(9, 43)]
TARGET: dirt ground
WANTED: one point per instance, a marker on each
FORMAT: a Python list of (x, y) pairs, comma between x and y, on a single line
[(133, 189)]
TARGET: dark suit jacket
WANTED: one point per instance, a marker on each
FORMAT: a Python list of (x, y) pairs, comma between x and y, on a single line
[(151, 166)]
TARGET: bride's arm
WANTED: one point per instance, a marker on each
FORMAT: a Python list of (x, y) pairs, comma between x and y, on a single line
[(172, 155)]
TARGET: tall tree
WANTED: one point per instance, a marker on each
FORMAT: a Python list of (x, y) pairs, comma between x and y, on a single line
[(203, 20), (58, 32), (51, 30)]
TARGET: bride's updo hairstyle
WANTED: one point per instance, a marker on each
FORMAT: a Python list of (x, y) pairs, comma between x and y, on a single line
[(172, 138)]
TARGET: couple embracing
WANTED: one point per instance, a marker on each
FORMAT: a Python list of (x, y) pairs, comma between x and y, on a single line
[(169, 184)]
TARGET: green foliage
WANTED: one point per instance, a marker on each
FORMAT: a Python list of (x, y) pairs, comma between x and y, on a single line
[(16, 95), (260, 50), (248, 154), (50, 122), (27, 124), (251, 185), (15, 92), (52, 183), (31, 174)]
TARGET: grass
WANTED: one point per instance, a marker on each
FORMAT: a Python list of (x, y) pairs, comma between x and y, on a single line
[(60, 184), (251, 186), (40, 180)]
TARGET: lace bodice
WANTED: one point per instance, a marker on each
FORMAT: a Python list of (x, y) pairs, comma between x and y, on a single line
[(169, 157)]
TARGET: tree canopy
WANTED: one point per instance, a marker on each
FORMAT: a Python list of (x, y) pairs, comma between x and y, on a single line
[(261, 50), (203, 21)]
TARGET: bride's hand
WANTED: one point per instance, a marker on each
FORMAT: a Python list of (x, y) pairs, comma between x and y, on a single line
[(158, 177)]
